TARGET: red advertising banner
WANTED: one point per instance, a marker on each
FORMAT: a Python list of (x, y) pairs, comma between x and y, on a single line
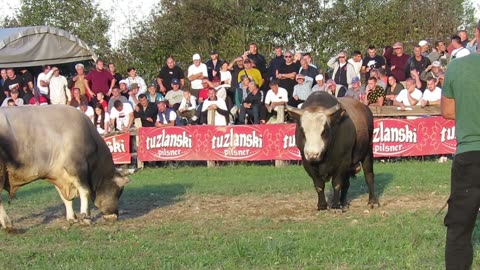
[(249, 142), (413, 137), (119, 145), (391, 138)]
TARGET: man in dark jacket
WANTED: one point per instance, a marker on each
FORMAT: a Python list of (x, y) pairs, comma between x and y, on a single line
[(146, 111)]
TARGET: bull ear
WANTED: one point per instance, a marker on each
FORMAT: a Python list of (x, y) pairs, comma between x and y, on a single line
[(121, 181), (294, 110)]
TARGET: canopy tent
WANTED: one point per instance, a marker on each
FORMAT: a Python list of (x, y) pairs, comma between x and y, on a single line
[(40, 45)]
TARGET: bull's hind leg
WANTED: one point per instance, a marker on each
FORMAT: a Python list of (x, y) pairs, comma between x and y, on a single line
[(4, 220), (344, 191), (367, 165)]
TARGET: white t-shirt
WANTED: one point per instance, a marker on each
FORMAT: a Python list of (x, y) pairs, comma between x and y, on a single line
[(221, 91), (100, 125), (281, 96), (89, 112), (220, 120), (142, 86), (192, 69), (403, 96), (192, 104), (46, 78), (356, 65), (431, 96), (174, 97), (171, 117), (59, 92), (460, 52), (123, 116), (226, 77)]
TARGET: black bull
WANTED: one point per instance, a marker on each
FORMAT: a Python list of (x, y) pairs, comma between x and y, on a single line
[(334, 137)]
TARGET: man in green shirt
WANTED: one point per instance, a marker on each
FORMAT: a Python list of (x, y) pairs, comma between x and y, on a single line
[(461, 96)]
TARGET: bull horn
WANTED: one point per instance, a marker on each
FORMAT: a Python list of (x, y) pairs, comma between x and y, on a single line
[(121, 181), (332, 110), (294, 110)]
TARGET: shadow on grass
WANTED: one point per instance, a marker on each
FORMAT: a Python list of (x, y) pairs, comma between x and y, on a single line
[(358, 187), (139, 201)]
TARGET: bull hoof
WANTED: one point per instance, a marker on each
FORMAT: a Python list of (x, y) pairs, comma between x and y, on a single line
[(373, 205), (11, 230), (322, 208), (338, 210), (110, 218), (84, 219)]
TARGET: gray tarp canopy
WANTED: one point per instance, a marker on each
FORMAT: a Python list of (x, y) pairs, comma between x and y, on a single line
[(40, 45)]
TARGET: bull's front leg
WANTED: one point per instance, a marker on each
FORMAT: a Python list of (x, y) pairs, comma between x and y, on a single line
[(320, 188), (367, 165), (68, 207), (313, 171), (84, 210)]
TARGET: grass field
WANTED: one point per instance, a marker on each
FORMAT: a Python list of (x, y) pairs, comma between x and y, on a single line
[(239, 217)]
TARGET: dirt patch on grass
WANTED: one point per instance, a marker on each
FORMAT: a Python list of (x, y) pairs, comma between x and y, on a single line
[(231, 209), (279, 208)]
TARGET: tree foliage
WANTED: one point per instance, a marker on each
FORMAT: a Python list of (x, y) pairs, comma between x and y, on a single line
[(80, 17), (323, 27)]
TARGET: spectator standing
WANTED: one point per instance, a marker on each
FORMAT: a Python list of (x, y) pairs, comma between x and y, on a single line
[(146, 111), (424, 46), (43, 80), (357, 62), (12, 82), (276, 62), (307, 70), (80, 81), (213, 65), (372, 61), (27, 82), (433, 71), (3, 76), (85, 108), (287, 73), (133, 94), (196, 72), (257, 59), (460, 102), (134, 78), (343, 72), (123, 87), (398, 61), (169, 72), (418, 63), (439, 53), (101, 80), (115, 74), (458, 49), (58, 90)]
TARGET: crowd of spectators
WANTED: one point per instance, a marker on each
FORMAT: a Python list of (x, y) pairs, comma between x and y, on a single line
[(241, 91)]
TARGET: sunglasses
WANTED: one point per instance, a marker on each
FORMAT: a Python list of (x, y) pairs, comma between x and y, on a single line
[(288, 56), (341, 57)]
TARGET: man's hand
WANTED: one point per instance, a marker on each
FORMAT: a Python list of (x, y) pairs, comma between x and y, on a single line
[(212, 107), (149, 119)]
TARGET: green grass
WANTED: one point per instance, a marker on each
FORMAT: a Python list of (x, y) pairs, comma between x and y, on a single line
[(153, 237)]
